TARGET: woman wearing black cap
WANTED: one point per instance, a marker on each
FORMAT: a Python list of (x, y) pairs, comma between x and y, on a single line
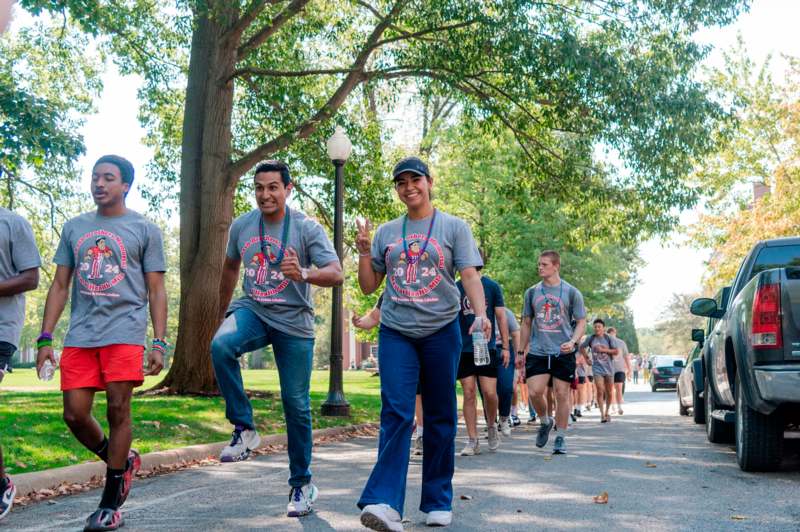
[(419, 341)]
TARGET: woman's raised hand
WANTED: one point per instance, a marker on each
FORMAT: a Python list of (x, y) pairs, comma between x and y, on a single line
[(363, 237)]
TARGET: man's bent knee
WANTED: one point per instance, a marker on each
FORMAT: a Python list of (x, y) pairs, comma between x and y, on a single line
[(76, 419)]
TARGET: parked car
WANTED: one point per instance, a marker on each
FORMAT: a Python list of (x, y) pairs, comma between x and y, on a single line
[(664, 371), (686, 389), (691, 383), (751, 372)]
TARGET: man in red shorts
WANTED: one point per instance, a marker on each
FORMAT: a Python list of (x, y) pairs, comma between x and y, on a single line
[(104, 346)]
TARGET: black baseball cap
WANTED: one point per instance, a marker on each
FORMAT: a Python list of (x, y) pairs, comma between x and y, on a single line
[(411, 164)]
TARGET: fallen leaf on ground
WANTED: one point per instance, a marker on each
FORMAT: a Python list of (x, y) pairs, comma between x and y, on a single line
[(601, 499), (650, 464), (466, 497), (738, 517), (156, 424), (548, 458)]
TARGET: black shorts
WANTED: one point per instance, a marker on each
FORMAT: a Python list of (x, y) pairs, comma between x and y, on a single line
[(619, 376), (581, 380), (7, 351), (561, 367), (467, 367)]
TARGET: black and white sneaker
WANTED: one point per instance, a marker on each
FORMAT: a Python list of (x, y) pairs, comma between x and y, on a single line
[(7, 498), (301, 500), (243, 441)]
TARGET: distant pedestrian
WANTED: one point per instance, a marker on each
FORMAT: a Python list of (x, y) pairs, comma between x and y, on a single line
[(471, 375), (419, 342), (553, 320), (622, 368), (506, 372), (601, 347), (636, 366)]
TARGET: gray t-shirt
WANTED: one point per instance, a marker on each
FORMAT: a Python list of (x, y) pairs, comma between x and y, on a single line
[(421, 295), (18, 253), (552, 310), (110, 257), (279, 302), (619, 360), (513, 326), (601, 362)]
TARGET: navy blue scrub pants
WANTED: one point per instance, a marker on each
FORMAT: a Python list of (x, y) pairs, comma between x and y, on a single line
[(433, 362)]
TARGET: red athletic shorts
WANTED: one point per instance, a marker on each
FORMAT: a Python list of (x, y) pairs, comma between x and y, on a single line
[(93, 367)]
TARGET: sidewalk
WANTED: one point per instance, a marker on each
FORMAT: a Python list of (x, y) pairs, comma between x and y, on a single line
[(692, 486)]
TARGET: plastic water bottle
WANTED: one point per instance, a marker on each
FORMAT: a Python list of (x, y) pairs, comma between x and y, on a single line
[(480, 350), (47, 371)]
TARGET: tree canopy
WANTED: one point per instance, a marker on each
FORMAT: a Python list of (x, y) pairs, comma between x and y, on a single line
[(228, 83)]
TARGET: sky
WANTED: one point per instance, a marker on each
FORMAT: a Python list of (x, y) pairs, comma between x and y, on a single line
[(770, 27), (671, 266)]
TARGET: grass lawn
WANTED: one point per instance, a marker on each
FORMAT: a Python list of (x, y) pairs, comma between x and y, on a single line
[(34, 437)]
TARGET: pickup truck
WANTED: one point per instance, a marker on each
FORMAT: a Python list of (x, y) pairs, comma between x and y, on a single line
[(751, 358)]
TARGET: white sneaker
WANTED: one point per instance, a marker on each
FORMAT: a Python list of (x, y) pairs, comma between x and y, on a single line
[(243, 441), (381, 517), (505, 427), (301, 500), (471, 448), (439, 518), (494, 438)]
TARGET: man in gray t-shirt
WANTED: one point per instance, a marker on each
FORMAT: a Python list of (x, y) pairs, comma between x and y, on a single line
[(277, 247), (600, 348), (553, 320), (114, 260), (19, 272)]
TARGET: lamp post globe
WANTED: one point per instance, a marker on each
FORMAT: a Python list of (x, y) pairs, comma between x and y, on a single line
[(339, 145), (339, 148)]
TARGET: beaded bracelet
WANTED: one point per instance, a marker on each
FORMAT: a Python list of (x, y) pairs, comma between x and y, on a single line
[(159, 345)]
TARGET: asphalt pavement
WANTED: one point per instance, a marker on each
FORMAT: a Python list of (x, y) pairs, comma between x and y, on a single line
[(658, 469)]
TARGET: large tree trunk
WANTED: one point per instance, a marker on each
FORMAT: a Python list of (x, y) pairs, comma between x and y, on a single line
[(206, 202)]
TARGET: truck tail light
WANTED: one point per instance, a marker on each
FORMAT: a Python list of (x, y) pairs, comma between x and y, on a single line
[(766, 331)]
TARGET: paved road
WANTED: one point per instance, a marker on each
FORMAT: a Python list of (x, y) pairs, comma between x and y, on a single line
[(694, 486)]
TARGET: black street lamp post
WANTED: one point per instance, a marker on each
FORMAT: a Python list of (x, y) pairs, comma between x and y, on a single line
[(339, 148)]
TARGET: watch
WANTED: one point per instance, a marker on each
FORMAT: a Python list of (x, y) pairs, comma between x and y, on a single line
[(304, 274)]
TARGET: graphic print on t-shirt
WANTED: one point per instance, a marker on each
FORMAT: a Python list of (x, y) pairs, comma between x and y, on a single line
[(416, 274), (466, 306), (266, 279), (102, 260), (548, 312)]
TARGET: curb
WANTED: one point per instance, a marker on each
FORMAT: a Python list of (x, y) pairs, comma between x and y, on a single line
[(81, 473)]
